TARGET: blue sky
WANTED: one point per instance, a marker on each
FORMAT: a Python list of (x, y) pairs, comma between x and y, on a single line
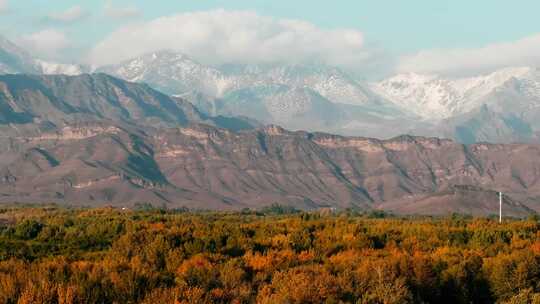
[(398, 27)]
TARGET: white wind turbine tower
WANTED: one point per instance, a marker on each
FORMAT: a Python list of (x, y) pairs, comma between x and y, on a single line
[(500, 206)]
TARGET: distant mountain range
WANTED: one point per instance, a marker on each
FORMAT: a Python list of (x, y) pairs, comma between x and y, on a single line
[(496, 107), (96, 139), (311, 97)]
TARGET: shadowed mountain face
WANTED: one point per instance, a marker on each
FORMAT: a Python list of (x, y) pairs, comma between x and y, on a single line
[(486, 124), (59, 99), (96, 163)]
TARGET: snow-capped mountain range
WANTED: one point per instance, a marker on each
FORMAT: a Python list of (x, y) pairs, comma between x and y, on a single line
[(431, 97), (434, 97), (500, 106), (414, 103), (302, 96), (172, 72), (178, 74)]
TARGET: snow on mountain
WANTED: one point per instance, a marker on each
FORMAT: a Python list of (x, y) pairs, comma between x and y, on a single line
[(285, 103), (292, 107), (434, 97), (178, 74), (501, 106), (529, 85), (302, 108), (330, 82), (519, 96), (297, 96), (173, 73)]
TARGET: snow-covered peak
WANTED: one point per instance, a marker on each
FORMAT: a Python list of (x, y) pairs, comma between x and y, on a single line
[(178, 74), (137, 68), (435, 97), (426, 95), (173, 72)]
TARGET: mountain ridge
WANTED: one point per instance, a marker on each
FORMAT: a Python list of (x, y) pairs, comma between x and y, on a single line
[(203, 167), (59, 98)]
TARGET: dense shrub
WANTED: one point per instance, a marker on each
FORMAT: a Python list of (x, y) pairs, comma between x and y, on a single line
[(280, 256)]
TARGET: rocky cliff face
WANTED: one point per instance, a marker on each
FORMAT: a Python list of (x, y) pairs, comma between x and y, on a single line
[(206, 167)]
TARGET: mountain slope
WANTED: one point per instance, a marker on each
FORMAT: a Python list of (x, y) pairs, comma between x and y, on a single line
[(330, 82), (59, 99), (486, 125), (459, 199), (100, 163), (173, 73), (301, 108), (509, 113), (290, 107), (177, 74)]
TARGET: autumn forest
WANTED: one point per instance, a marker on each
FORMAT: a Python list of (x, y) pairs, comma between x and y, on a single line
[(278, 255)]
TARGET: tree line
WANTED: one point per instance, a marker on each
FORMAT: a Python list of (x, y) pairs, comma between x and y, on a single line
[(59, 255)]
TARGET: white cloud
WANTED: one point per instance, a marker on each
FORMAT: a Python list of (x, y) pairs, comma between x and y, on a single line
[(70, 15), (114, 12), (48, 43), (524, 52), (222, 36)]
